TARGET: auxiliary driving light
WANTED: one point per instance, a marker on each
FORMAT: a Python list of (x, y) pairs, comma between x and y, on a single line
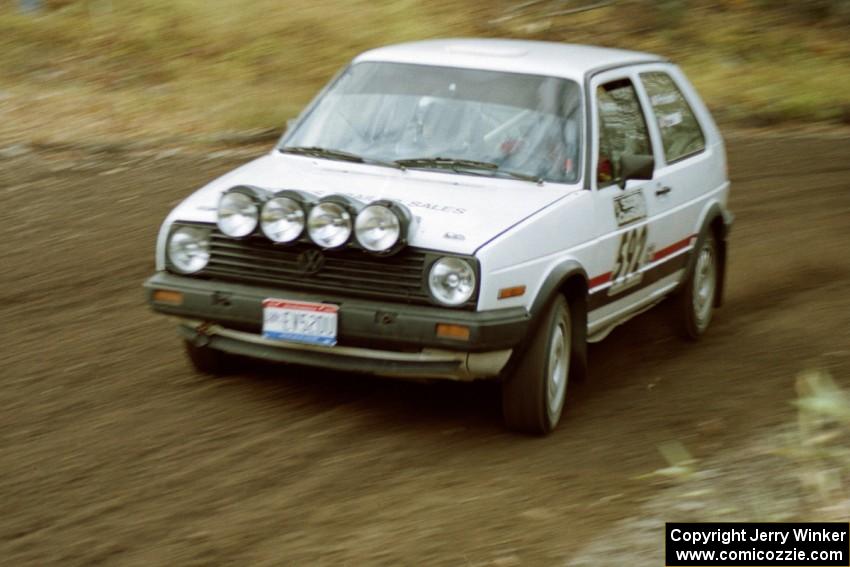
[(378, 227), (329, 222), (282, 219), (238, 212)]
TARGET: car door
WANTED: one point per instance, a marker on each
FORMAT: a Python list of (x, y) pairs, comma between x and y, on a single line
[(623, 212), (685, 166)]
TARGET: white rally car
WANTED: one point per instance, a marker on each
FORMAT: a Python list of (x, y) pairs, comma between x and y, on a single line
[(459, 209)]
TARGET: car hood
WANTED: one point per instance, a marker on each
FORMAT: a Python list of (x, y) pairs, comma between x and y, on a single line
[(453, 212)]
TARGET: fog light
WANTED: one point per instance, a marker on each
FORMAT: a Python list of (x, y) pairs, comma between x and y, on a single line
[(168, 296), (456, 332)]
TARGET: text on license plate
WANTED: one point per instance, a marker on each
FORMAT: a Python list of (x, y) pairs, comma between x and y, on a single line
[(300, 321)]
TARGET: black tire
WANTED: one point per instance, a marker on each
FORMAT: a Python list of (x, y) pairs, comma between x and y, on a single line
[(579, 371), (529, 402), (209, 361), (694, 303)]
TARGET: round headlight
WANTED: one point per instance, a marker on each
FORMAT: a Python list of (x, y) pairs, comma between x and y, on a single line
[(452, 281), (329, 224), (377, 228), (282, 219), (237, 214), (189, 249)]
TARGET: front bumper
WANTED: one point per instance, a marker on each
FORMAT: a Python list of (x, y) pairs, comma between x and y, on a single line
[(428, 363), (378, 338)]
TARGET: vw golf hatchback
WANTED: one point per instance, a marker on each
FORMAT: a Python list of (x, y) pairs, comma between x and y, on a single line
[(459, 209)]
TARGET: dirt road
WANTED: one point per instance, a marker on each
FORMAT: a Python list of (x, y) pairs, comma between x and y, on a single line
[(113, 451)]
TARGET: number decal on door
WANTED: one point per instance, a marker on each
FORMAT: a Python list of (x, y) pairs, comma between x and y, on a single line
[(631, 255)]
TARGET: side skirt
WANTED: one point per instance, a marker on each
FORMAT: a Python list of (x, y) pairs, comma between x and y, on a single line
[(599, 328)]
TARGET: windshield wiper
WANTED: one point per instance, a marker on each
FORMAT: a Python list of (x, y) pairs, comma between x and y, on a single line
[(449, 163), (464, 166), (328, 153)]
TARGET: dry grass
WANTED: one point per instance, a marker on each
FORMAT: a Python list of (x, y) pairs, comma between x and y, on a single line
[(820, 443), (813, 454), (191, 69)]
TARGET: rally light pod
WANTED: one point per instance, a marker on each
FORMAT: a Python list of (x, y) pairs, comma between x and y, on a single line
[(382, 227), (238, 211), (283, 217), (330, 222)]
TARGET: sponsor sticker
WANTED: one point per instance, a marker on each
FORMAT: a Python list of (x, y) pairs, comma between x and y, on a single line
[(668, 120), (665, 98), (630, 207)]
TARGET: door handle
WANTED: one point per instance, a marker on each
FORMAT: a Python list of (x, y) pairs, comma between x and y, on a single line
[(663, 191)]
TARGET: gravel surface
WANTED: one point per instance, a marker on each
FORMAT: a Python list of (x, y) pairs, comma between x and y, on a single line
[(112, 450)]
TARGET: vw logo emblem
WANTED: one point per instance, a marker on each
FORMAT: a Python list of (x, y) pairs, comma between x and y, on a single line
[(311, 261)]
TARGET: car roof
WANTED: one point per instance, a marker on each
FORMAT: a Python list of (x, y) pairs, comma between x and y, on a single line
[(571, 61)]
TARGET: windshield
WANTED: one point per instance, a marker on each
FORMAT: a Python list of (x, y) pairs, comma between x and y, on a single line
[(388, 112)]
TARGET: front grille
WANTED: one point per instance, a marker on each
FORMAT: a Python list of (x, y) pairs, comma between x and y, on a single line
[(352, 272)]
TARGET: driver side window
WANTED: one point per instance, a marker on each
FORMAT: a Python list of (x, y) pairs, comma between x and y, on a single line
[(622, 129)]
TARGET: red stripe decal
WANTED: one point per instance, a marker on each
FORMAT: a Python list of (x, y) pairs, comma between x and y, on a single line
[(601, 279), (672, 249), (663, 253)]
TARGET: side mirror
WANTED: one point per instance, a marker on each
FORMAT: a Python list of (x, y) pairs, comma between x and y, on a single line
[(635, 166)]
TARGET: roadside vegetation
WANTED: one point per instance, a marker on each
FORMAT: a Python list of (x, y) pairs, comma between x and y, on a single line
[(800, 471), (201, 69)]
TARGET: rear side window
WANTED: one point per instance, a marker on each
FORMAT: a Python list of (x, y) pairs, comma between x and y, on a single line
[(681, 134), (622, 129)]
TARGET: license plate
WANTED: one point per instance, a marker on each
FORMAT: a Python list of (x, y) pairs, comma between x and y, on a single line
[(300, 321)]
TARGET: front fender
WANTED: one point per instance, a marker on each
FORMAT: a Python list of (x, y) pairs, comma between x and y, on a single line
[(554, 283), (569, 278)]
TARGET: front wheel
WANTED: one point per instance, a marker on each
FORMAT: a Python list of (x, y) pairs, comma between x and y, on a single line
[(533, 395), (694, 304)]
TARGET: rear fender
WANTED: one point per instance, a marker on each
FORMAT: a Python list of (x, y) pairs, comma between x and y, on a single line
[(718, 222)]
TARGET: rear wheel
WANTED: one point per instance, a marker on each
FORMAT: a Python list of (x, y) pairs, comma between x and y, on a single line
[(533, 395), (209, 361), (694, 304)]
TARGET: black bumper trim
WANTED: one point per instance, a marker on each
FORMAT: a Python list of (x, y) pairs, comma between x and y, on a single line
[(362, 323), (342, 363)]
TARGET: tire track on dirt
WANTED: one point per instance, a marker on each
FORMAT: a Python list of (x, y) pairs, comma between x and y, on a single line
[(114, 451)]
